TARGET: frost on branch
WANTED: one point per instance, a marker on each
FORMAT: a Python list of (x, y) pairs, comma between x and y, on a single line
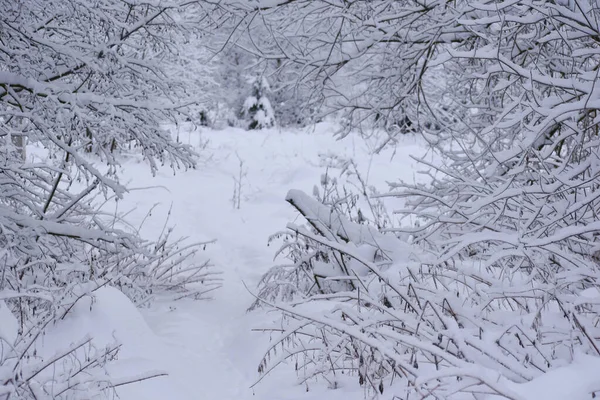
[(503, 286), (79, 82), (392, 317)]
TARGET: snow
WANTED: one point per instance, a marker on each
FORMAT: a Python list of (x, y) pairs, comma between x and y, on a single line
[(497, 271), (208, 349), (8, 326), (574, 382), (337, 224)]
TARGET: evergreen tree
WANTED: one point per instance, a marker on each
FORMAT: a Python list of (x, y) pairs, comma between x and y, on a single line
[(257, 108)]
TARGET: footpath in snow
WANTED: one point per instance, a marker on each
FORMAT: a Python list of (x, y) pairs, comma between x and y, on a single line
[(208, 348)]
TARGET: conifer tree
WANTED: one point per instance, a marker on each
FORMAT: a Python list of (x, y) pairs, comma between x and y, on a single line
[(257, 108)]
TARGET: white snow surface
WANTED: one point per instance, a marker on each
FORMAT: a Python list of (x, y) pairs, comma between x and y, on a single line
[(8, 325), (208, 349)]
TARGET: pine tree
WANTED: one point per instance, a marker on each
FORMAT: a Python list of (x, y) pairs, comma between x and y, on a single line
[(257, 108)]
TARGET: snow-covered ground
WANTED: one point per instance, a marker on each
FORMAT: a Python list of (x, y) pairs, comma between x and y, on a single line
[(208, 348)]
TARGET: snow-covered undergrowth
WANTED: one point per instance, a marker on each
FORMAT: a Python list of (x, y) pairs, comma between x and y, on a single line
[(438, 309), (390, 314), (79, 82), (479, 281), (500, 283), (236, 196), (69, 276), (361, 305)]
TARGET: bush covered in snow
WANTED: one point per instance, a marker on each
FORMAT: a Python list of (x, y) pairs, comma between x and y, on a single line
[(497, 283), (81, 78)]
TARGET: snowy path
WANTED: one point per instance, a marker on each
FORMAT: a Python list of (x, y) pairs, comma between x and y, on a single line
[(208, 348)]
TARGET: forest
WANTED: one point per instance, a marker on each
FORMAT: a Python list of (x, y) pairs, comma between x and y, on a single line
[(299, 199)]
